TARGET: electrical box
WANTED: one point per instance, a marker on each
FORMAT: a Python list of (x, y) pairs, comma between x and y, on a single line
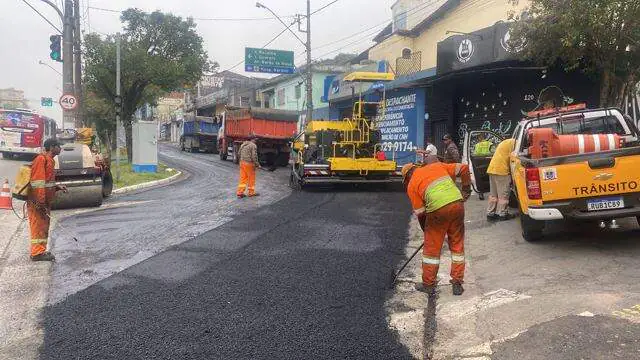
[(145, 146)]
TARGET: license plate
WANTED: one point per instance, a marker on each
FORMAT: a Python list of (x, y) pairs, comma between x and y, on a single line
[(605, 204)]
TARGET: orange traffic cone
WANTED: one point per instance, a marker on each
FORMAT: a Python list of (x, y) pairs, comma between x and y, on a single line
[(5, 196)]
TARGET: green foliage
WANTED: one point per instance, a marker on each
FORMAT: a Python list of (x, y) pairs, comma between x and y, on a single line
[(599, 37), (159, 53)]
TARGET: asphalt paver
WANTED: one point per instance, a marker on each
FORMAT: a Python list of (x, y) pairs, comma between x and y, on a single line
[(304, 278)]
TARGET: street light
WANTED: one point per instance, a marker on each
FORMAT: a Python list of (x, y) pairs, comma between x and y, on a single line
[(307, 45), (49, 66)]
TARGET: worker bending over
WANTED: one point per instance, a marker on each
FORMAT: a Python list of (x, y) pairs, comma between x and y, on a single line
[(41, 195), (438, 204), (500, 182), (248, 165)]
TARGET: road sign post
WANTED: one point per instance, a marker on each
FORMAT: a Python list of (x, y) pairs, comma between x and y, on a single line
[(68, 102), (268, 61)]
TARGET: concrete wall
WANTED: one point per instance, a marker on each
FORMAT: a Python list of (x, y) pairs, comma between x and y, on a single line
[(469, 16)]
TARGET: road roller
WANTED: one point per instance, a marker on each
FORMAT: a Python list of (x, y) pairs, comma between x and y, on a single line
[(85, 173)]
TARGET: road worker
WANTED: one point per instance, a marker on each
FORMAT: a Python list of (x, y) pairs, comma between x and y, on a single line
[(451, 152), (248, 164), (438, 204), (41, 195), (500, 182), (483, 147)]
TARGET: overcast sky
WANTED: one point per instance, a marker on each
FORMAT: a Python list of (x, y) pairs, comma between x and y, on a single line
[(24, 36)]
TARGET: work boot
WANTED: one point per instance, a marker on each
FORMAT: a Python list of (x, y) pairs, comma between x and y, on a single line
[(457, 289), (256, 194), (45, 256), (505, 217), (427, 289), (493, 217)]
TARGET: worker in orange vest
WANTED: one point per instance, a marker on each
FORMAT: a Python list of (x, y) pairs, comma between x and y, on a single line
[(438, 204), (248, 152), (41, 196)]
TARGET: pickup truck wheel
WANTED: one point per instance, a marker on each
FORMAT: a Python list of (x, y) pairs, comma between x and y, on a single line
[(531, 229)]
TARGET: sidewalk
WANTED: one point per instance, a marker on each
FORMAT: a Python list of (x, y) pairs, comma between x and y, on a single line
[(23, 287)]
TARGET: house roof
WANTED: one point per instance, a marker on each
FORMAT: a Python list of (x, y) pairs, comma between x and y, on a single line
[(383, 33)]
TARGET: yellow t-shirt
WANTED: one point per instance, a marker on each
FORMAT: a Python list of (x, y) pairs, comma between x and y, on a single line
[(499, 164)]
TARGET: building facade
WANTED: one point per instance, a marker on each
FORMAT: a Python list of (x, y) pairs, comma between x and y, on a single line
[(12, 99)]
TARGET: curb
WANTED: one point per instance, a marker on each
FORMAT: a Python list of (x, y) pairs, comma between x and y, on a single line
[(145, 185)]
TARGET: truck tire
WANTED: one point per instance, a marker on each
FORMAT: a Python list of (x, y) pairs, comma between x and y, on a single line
[(531, 229), (223, 155), (282, 159), (236, 156)]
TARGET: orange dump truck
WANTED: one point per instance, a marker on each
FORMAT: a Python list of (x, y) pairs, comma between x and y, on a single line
[(273, 129)]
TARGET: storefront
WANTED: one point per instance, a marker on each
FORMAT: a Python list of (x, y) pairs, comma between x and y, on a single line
[(480, 84)]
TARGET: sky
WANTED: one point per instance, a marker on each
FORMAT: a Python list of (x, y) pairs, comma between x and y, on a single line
[(344, 26)]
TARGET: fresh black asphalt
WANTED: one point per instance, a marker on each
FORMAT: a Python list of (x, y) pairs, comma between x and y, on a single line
[(304, 278)]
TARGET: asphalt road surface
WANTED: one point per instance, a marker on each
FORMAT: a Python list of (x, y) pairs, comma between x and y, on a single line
[(303, 278)]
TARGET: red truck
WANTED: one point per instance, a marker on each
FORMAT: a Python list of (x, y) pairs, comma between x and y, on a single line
[(273, 128)]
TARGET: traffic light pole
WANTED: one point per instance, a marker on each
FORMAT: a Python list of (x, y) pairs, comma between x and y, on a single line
[(67, 58), (118, 106), (77, 62)]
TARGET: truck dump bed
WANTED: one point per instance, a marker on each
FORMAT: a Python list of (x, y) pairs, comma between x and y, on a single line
[(263, 123), (200, 125)]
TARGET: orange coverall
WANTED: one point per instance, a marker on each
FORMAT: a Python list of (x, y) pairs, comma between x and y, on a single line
[(41, 196), (432, 190), (248, 152)]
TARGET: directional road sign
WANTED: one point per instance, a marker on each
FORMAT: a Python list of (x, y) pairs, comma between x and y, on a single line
[(68, 102), (46, 101), (268, 61)]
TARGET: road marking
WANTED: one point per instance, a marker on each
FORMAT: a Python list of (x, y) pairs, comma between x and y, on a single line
[(461, 308)]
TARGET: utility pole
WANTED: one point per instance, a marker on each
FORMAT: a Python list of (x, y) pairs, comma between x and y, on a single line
[(309, 71), (67, 58), (118, 106), (78, 64)]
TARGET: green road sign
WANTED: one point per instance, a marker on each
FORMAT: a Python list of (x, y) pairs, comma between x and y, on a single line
[(267, 60), (45, 101)]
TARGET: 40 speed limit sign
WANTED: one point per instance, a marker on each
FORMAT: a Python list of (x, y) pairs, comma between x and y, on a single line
[(68, 102)]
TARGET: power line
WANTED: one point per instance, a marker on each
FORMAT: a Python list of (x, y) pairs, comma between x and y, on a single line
[(411, 12), (201, 19), (324, 7), (42, 16)]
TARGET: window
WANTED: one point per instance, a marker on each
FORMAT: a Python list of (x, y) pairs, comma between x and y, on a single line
[(244, 101), (281, 97), (298, 91)]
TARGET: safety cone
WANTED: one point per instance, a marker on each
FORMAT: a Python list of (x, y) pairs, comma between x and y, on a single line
[(5, 196)]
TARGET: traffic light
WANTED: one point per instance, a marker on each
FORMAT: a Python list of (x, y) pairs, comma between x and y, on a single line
[(56, 51), (118, 103)]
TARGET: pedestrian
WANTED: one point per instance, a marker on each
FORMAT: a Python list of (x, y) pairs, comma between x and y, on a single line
[(248, 164), (500, 182), (41, 195), (451, 152), (483, 147), (438, 204)]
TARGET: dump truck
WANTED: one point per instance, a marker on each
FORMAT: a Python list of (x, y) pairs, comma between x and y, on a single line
[(348, 150), (82, 169), (199, 133), (273, 128), (568, 163)]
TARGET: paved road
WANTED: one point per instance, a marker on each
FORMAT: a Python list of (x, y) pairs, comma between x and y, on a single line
[(131, 228), (304, 278)]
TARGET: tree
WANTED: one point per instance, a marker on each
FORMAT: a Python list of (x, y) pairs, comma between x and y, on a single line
[(101, 114), (159, 53), (599, 37)]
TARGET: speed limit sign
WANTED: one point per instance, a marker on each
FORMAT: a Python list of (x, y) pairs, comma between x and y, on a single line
[(68, 102)]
